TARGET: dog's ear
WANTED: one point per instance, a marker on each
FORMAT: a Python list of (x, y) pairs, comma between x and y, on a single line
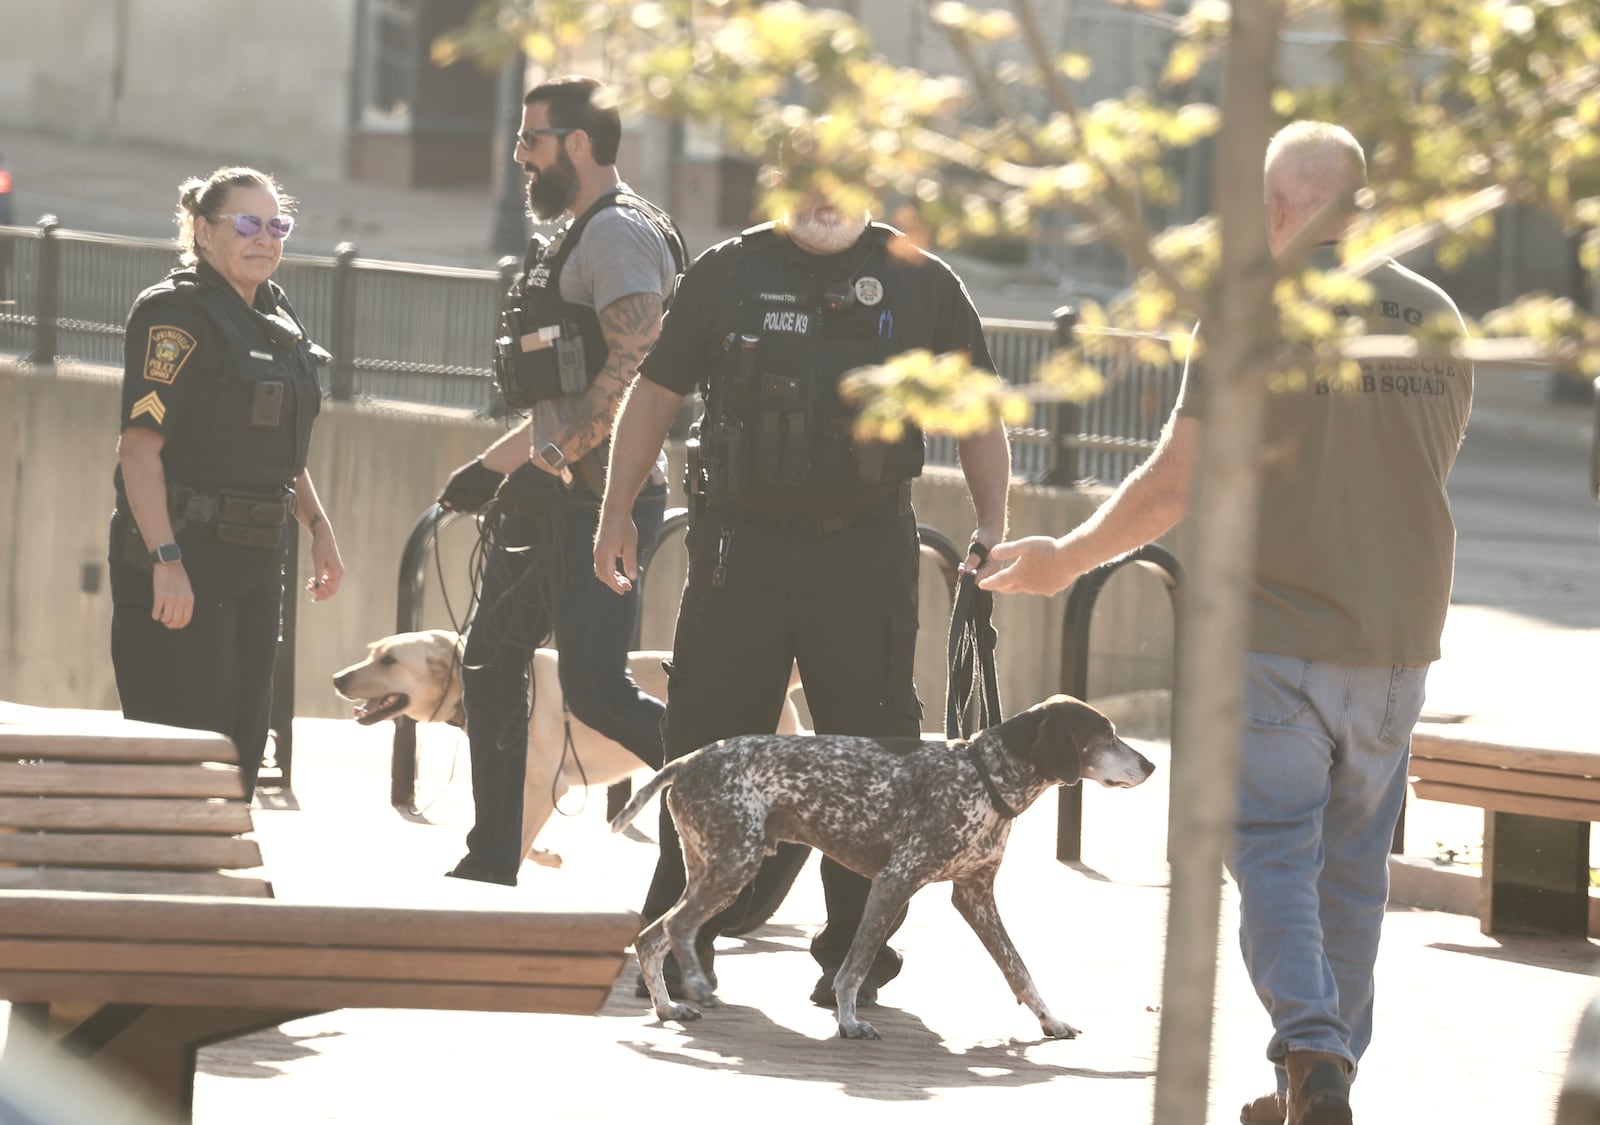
[(1042, 735), (441, 656), (1055, 745), (1064, 727)]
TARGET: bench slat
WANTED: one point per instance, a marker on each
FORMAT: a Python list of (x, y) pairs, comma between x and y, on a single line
[(1499, 801), (114, 814), (46, 779), (272, 923), (1467, 744), (1511, 781), (209, 884), (123, 850), (113, 742), (301, 994), (309, 962)]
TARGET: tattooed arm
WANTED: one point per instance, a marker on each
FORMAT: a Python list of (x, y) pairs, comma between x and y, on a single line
[(578, 423)]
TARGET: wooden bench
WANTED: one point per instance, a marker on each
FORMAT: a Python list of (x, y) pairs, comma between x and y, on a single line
[(92, 802), (1538, 800), (109, 913)]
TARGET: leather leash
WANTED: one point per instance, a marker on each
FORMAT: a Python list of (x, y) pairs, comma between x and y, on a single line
[(972, 685)]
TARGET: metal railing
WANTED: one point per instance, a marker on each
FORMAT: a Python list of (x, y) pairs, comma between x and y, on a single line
[(422, 334)]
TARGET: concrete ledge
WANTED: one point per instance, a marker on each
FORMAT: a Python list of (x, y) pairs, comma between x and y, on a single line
[(1452, 888)]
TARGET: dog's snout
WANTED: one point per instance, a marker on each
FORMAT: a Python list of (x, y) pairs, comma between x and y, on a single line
[(1116, 765), (340, 679)]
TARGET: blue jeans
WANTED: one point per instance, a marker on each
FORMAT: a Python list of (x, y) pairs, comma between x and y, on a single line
[(593, 629), (1322, 780)]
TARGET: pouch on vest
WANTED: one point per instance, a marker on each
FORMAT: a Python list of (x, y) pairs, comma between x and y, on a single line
[(782, 438), (525, 366)]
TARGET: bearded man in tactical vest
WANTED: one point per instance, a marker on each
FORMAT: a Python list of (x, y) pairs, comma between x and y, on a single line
[(803, 547), (574, 326)]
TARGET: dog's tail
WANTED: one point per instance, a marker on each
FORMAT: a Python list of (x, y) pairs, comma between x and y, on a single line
[(662, 780)]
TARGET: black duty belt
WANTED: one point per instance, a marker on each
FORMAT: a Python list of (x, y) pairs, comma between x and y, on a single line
[(815, 525), (249, 519), (229, 506)]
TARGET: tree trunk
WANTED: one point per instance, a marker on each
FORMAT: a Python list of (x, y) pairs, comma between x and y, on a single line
[(1240, 335)]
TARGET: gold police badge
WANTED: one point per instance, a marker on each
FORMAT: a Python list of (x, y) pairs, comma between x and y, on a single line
[(166, 353)]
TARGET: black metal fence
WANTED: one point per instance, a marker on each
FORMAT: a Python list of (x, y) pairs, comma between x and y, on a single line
[(422, 334)]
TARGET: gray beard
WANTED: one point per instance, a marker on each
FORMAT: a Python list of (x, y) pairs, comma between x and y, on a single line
[(826, 238)]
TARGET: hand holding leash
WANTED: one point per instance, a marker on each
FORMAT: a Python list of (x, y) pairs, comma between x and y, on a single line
[(972, 687), (470, 487), (527, 492)]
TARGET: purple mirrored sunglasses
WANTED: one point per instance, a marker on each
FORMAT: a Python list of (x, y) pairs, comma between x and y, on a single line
[(249, 226)]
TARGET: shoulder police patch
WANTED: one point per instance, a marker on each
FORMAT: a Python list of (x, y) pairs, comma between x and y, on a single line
[(166, 353), (152, 405)]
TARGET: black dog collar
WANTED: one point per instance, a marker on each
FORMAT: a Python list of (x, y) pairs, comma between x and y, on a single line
[(1000, 805)]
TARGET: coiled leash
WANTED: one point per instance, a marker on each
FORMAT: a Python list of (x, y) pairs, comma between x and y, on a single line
[(972, 692), (535, 495), (528, 603)]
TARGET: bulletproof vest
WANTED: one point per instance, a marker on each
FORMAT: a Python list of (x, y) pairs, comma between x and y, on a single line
[(249, 423), (779, 427), (548, 347)]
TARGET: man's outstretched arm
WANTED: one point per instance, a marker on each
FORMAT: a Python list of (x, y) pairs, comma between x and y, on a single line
[(1146, 506)]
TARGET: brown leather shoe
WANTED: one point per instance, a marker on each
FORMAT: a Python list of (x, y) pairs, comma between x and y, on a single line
[(1319, 1088), (1268, 1109)]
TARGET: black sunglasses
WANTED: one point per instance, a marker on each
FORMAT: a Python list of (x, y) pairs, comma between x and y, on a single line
[(529, 136)]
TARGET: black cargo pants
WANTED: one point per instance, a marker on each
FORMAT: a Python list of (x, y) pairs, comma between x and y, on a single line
[(759, 599)]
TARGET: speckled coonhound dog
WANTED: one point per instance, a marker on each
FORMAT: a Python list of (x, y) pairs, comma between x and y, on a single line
[(902, 812)]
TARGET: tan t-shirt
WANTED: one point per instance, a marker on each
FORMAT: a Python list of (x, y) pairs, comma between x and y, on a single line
[(1356, 546)]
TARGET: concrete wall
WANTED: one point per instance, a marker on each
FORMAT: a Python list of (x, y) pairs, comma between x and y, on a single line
[(235, 80), (377, 469)]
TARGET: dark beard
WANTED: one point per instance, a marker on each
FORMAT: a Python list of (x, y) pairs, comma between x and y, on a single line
[(552, 191)]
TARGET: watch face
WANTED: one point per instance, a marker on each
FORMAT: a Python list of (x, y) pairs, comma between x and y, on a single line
[(551, 455), (166, 553)]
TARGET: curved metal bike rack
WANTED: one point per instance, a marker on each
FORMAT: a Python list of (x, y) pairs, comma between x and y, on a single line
[(1075, 667), (408, 614)]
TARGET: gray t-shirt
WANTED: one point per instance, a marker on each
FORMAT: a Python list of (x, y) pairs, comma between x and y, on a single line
[(1355, 549), (619, 253)]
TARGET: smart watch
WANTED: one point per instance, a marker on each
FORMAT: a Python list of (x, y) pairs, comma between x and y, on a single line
[(166, 553), (552, 456)]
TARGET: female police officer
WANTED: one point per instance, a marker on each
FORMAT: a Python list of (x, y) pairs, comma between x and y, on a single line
[(219, 390)]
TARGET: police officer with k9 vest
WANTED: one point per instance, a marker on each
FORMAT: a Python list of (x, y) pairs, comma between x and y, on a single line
[(803, 546), (575, 324), (219, 390)]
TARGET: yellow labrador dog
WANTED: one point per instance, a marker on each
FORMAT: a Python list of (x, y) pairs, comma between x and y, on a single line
[(419, 675)]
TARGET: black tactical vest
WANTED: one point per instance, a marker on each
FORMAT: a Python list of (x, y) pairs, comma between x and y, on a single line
[(250, 416), (778, 432), (547, 347)]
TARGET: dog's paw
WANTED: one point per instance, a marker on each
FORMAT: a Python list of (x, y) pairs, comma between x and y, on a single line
[(697, 987), (545, 858), (683, 1013), (1058, 1029), (858, 1029)]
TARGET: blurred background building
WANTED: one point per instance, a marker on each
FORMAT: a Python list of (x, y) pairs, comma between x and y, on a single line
[(346, 90)]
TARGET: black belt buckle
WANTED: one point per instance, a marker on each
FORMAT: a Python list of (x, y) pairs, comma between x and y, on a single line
[(201, 507)]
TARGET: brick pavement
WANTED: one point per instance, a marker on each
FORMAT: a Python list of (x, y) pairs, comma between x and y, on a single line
[(1469, 1029)]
